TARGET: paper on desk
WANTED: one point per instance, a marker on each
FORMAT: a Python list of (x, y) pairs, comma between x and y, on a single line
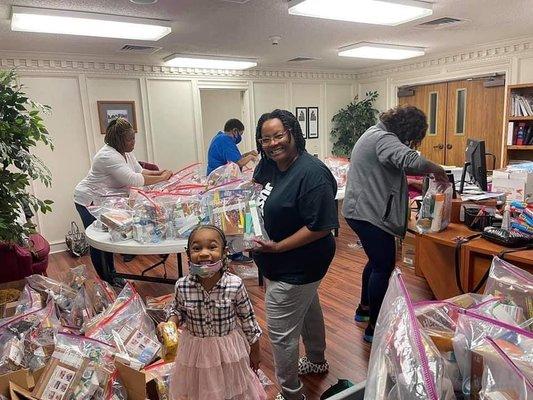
[(482, 196)]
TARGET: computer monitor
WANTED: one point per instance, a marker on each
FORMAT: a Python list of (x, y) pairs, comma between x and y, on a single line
[(475, 163)]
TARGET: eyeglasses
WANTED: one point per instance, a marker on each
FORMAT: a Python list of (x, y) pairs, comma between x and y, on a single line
[(277, 137)]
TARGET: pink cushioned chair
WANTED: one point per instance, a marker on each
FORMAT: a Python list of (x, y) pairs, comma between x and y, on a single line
[(17, 262)]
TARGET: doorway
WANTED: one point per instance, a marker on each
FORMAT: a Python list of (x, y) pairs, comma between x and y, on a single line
[(218, 106), (457, 111)]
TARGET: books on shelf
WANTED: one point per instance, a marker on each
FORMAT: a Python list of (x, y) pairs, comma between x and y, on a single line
[(521, 105), (519, 134)]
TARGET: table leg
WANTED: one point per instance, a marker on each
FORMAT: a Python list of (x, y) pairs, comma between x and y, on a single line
[(336, 230), (180, 265)]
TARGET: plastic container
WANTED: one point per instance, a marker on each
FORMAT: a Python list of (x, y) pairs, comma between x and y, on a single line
[(476, 221)]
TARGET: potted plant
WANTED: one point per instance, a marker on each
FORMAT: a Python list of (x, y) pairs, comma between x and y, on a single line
[(21, 130), (351, 122)]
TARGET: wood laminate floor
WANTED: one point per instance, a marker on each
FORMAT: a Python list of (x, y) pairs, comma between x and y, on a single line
[(339, 294)]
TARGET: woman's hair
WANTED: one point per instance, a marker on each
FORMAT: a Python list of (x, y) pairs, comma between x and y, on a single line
[(116, 132), (407, 122), (289, 122), (198, 228)]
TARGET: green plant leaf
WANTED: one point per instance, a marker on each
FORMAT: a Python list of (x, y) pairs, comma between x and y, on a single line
[(351, 122), (21, 130)]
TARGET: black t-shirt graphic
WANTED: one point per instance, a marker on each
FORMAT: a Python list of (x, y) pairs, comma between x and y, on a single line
[(304, 195)]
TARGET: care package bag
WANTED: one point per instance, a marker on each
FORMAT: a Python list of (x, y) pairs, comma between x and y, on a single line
[(404, 362)]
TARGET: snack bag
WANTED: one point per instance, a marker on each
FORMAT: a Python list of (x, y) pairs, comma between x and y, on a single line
[(404, 362), (157, 307), (63, 296), (224, 175), (131, 329), (436, 208), (471, 331), (161, 373), (80, 368), (27, 340), (514, 283), (127, 292), (339, 167), (502, 378), (115, 389)]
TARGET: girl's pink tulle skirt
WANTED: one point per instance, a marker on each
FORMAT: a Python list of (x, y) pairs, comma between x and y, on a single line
[(214, 368)]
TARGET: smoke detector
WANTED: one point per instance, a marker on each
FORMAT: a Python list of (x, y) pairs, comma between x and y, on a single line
[(274, 39)]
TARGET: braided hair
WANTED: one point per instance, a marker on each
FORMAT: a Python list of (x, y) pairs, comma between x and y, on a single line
[(213, 228), (116, 133), (289, 122)]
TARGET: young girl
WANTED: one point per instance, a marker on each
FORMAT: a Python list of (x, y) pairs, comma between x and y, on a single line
[(214, 361)]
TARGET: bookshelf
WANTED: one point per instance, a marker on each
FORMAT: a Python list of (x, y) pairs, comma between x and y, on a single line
[(518, 130)]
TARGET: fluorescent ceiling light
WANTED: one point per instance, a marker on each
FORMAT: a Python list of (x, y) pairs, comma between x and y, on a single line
[(380, 51), (28, 19), (214, 62), (380, 12)]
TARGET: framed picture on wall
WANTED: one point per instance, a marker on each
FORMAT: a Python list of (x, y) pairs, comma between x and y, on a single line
[(301, 116), (312, 122), (109, 110)]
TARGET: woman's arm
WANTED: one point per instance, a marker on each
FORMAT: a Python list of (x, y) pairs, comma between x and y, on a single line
[(150, 179), (300, 238)]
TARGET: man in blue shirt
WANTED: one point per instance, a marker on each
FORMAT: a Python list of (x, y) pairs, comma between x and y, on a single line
[(222, 150)]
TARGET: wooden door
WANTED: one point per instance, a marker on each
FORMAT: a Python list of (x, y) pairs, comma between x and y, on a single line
[(432, 100), (474, 112)]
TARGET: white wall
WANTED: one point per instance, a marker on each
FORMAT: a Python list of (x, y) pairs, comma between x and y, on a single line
[(218, 106), (168, 110)]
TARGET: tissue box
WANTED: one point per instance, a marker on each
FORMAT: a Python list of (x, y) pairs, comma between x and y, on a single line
[(516, 184)]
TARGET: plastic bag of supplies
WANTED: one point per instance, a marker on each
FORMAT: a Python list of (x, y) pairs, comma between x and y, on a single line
[(404, 362)]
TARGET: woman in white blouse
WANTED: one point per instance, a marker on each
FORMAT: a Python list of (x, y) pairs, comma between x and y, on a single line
[(114, 167)]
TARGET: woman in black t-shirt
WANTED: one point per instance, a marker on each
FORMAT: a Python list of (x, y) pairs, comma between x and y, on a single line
[(298, 203)]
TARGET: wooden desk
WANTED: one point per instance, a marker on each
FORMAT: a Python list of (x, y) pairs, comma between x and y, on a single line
[(434, 259)]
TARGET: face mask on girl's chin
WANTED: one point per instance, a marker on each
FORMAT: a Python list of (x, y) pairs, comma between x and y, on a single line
[(205, 270)]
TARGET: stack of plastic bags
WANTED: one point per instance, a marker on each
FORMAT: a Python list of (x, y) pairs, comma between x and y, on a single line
[(75, 331), (170, 210), (468, 347)]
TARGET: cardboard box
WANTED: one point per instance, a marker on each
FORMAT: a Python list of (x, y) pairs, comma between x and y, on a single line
[(18, 285), (21, 377), (136, 384), (517, 185), (17, 392)]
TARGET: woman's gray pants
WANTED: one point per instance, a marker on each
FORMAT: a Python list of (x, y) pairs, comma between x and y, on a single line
[(294, 310)]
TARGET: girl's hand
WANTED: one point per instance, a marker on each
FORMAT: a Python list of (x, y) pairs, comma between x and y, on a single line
[(255, 356), (159, 331), (266, 246)]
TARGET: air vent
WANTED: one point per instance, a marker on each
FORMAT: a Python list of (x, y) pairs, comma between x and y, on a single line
[(441, 23), (301, 59), (133, 48)]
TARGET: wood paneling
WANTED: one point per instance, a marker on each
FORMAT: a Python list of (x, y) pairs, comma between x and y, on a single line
[(339, 293), (433, 145), (484, 120)]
